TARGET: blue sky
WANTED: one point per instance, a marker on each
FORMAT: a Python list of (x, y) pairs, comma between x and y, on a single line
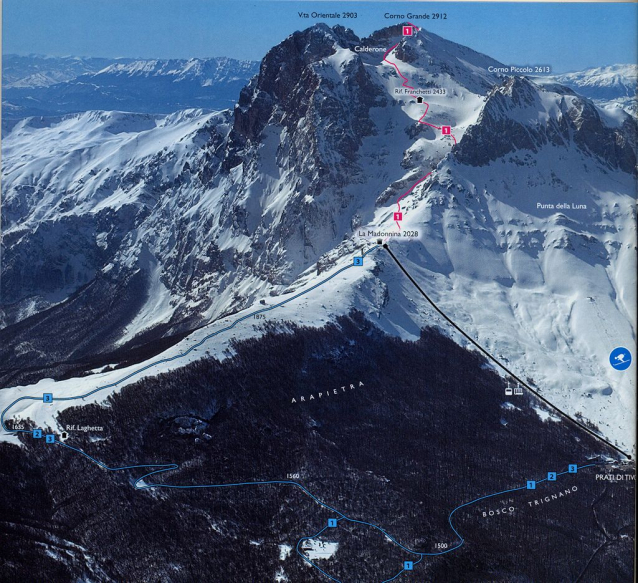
[(566, 36)]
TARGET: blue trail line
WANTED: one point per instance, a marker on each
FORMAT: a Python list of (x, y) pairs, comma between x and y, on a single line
[(307, 559), (166, 467), (139, 483), (181, 354), (420, 554)]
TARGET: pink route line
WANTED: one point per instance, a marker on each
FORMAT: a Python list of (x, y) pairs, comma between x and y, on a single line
[(405, 79), (412, 188), (420, 120)]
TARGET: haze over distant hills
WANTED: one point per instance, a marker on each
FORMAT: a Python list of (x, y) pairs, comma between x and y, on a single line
[(44, 86), (40, 85), (174, 220), (613, 85), (25, 71), (370, 277)]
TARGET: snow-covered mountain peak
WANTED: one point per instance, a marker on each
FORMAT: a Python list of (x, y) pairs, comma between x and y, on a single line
[(440, 58), (90, 161), (28, 71), (175, 220), (522, 115), (227, 206)]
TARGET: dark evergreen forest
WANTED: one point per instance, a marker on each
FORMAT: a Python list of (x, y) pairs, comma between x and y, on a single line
[(426, 432)]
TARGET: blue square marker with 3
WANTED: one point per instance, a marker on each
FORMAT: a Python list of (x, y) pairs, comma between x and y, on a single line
[(358, 261), (50, 438)]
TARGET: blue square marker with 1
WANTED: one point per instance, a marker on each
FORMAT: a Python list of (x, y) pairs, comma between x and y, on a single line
[(408, 566), (531, 484), (332, 522)]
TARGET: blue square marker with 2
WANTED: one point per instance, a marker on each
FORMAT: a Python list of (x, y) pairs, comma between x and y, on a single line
[(179, 232)]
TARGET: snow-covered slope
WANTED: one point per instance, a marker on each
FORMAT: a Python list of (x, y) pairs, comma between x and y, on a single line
[(187, 218), (212, 222), (550, 290), (78, 225)]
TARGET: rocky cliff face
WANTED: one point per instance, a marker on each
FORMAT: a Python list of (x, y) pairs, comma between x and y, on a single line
[(158, 224), (519, 115)]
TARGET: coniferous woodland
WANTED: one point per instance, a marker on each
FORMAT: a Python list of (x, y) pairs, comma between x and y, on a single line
[(425, 429)]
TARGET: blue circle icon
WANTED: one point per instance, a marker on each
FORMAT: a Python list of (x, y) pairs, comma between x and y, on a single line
[(620, 358)]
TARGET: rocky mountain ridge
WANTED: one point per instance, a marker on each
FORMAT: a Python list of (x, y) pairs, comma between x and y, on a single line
[(158, 224)]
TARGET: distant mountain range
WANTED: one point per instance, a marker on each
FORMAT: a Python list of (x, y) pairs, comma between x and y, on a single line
[(29, 71), (603, 82), (37, 85), (613, 85), (123, 229), (50, 86)]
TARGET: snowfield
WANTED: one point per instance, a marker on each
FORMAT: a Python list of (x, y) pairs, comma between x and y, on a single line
[(526, 231)]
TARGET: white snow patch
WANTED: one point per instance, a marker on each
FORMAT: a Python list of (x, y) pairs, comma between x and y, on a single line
[(546, 415), (317, 549), (284, 552)]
